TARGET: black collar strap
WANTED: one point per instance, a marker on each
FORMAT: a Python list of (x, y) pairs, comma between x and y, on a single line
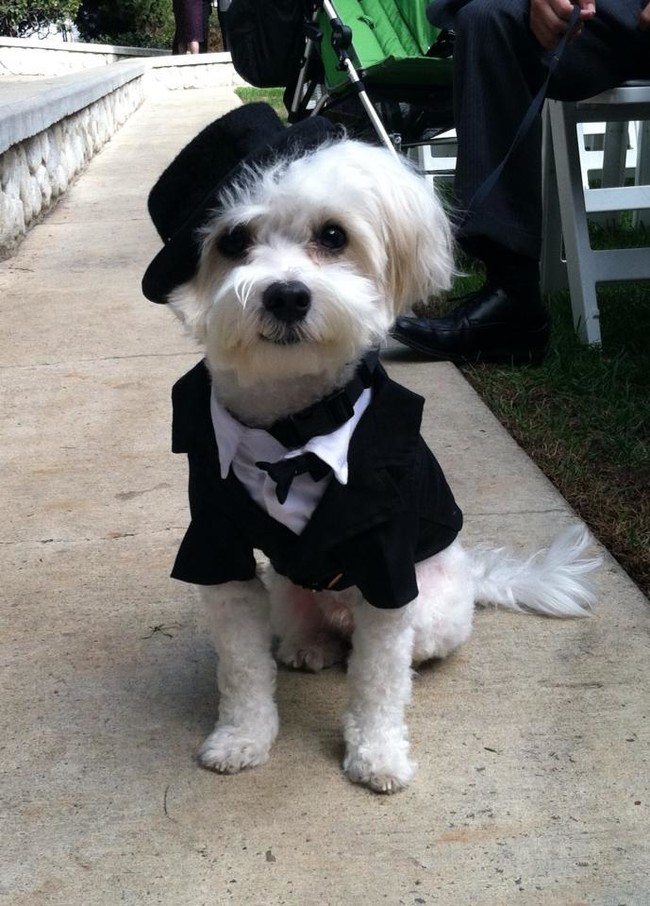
[(327, 414)]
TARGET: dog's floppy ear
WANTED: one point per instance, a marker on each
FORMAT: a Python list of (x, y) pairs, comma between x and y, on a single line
[(419, 243), (186, 303)]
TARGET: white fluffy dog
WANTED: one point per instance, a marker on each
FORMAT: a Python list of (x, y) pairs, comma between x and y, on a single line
[(304, 263)]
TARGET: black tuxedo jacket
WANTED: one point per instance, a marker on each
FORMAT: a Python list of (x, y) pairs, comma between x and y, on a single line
[(396, 509)]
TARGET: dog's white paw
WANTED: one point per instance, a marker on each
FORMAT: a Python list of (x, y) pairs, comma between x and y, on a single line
[(313, 656), (230, 749), (381, 773)]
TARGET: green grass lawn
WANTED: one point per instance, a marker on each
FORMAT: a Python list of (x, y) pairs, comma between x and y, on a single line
[(584, 418), (272, 96)]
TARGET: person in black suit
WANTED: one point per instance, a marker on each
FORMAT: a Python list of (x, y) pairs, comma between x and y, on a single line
[(500, 62)]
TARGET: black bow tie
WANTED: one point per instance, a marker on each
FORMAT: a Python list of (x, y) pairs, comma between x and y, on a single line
[(285, 470)]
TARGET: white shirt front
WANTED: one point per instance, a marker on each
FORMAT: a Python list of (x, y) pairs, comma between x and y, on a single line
[(242, 447)]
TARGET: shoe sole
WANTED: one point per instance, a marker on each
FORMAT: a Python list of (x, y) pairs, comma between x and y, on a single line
[(497, 357)]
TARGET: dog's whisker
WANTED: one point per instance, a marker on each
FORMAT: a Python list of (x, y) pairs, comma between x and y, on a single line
[(243, 289)]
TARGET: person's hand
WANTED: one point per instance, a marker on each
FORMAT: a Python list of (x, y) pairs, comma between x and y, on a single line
[(549, 18), (644, 21)]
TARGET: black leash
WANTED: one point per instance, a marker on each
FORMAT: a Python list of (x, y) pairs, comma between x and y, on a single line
[(554, 58)]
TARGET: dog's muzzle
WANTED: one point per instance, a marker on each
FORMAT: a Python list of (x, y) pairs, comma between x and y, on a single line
[(287, 301)]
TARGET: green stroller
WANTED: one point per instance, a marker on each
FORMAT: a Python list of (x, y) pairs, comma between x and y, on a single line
[(376, 66)]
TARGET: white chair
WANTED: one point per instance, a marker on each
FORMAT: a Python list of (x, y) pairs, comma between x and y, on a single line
[(436, 159), (569, 200)]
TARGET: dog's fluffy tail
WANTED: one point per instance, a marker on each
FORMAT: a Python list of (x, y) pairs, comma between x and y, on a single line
[(555, 582)]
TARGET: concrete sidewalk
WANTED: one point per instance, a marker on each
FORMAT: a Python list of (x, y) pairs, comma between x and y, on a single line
[(532, 741)]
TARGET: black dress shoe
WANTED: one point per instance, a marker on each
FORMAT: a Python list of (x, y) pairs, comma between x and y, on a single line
[(489, 326)]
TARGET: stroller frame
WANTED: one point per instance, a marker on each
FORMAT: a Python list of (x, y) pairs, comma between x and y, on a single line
[(341, 43), (302, 102)]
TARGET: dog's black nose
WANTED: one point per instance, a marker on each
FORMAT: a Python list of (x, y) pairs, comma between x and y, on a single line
[(287, 301)]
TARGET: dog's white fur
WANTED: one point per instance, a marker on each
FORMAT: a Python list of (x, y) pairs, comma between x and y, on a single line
[(398, 250)]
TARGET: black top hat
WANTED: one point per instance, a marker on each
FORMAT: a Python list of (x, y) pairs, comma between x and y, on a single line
[(188, 190)]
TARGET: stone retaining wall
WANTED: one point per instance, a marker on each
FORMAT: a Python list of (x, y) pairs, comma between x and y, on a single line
[(51, 128), (20, 57), (34, 172), (201, 71)]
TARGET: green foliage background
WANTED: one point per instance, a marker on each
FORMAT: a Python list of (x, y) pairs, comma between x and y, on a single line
[(131, 23), (128, 23), (22, 18)]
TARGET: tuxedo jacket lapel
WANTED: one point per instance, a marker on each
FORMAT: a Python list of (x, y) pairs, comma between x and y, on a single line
[(371, 496), (395, 509)]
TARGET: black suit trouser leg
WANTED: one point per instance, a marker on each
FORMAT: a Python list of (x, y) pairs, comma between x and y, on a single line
[(498, 69)]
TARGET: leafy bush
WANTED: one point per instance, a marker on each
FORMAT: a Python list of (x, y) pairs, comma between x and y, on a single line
[(135, 23), (22, 18)]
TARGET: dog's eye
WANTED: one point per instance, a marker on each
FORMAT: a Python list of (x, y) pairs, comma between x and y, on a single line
[(332, 237), (234, 243)]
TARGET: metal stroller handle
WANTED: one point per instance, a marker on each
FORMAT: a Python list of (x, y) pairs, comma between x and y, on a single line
[(341, 37), (345, 52), (341, 48), (314, 37)]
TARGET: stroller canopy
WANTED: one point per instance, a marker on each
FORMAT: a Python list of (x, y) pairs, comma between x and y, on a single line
[(390, 40)]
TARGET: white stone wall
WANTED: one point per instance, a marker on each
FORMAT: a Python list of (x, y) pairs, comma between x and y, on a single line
[(14, 62), (20, 57), (34, 172), (192, 72), (51, 135)]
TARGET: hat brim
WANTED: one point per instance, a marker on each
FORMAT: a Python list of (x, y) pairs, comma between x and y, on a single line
[(177, 261)]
